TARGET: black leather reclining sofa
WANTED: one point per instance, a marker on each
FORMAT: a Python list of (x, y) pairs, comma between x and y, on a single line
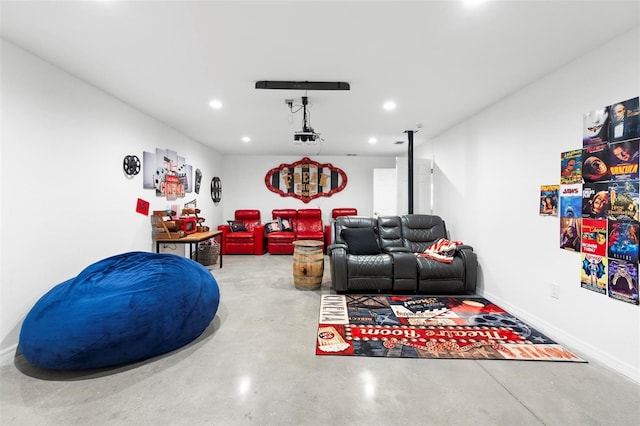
[(379, 255)]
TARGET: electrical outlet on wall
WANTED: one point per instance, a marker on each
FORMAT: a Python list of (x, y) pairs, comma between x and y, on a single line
[(555, 291)]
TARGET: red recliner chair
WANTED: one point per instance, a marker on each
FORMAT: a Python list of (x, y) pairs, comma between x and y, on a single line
[(337, 212), (281, 242), (309, 225), (249, 240)]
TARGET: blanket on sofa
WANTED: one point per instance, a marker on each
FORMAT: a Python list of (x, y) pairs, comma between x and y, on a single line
[(442, 250)]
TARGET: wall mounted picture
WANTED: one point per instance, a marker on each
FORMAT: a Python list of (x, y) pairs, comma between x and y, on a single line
[(623, 281), (623, 160), (571, 200), (571, 167), (623, 200), (142, 207), (198, 181), (593, 275), (570, 233), (595, 126), (549, 200), (594, 236), (625, 120), (148, 170), (623, 240), (595, 200), (167, 173), (595, 163), (305, 180)]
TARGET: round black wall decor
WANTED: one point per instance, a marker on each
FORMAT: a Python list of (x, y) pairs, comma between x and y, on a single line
[(131, 165)]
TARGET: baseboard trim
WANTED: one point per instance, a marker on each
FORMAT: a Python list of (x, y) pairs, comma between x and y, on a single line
[(583, 349), (8, 354)]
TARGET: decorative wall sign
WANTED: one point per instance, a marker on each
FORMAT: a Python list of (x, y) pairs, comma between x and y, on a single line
[(305, 180), (198, 180), (167, 173), (142, 207), (216, 189)]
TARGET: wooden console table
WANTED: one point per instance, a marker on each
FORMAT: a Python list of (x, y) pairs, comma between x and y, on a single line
[(191, 239)]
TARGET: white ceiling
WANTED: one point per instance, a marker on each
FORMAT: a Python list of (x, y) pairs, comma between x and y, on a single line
[(440, 61)]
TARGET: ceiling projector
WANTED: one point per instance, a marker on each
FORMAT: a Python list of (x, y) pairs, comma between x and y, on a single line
[(306, 135)]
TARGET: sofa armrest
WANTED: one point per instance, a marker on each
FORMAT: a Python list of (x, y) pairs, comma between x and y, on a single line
[(259, 236), (405, 270), (470, 260), (338, 262), (223, 238), (336, 246)]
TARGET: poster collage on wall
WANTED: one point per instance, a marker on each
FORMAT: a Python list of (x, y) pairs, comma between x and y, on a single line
[(597, 201)]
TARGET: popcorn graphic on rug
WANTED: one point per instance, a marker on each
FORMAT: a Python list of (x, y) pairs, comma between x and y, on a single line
[(329, 340), (442, 250)]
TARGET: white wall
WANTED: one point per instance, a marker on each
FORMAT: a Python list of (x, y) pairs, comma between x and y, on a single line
[(66, 202), (244, 180), (488, 175)]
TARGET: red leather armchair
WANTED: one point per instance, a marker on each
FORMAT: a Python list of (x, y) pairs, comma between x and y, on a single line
[(337, 212), (309, 225), (250, 241), (281, 242)]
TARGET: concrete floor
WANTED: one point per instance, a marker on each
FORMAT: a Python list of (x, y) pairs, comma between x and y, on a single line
[(256, 365)]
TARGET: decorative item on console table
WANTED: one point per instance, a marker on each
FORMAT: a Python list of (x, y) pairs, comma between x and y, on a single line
[(166, 227), (193, 212)]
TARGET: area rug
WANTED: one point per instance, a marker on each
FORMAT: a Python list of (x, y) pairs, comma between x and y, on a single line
[(429, 327)]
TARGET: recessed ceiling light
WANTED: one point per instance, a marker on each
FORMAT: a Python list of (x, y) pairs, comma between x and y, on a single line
[(246, 139), (389, 105), (215, 104), (373, 140), (473, 2)]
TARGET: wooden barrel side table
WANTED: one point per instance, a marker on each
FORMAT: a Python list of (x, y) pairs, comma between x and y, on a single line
[(308, 264)]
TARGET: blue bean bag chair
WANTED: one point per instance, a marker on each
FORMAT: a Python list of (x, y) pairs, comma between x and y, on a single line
[(121, 309)]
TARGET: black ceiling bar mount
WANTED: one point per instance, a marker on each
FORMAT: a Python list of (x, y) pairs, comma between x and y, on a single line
[(303, 85)]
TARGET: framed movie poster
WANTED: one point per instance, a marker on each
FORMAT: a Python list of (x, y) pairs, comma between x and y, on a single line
[(571, 167), (595, 126), (549, 200), (625, 120)]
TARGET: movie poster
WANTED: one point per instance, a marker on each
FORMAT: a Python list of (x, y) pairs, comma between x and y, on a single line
[(595, 126), (595, 200), (594, 236), (623, 160), (571, 200), (623, 240), (623, 200), (595, 163), (593, 275), (623, 281), (570, 233), (625, 120), (571, 167), (549, 200)]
